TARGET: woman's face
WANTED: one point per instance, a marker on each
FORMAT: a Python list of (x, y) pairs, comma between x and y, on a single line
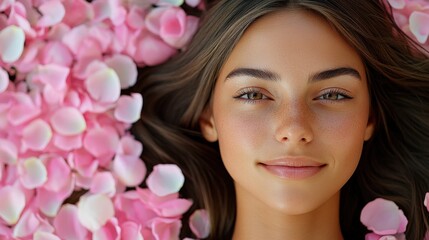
[(291, 112)]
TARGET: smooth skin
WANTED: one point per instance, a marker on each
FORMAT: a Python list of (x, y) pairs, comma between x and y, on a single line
[(292, 90)]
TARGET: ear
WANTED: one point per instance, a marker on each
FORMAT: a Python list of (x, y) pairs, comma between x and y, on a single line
[(207, 125), (369, 128)]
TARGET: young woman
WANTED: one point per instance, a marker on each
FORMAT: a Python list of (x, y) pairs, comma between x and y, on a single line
[(287, 117)]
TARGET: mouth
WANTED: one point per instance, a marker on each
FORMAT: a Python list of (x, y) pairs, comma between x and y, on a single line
[(292, 168)]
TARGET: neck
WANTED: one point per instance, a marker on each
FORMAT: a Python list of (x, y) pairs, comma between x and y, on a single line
[(255, 220)]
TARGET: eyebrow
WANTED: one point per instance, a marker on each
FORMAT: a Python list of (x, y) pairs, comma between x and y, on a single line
[(272, 76), (336, 72), (252, 72)]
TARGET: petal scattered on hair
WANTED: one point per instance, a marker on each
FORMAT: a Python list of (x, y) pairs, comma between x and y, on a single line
[(165, 179)]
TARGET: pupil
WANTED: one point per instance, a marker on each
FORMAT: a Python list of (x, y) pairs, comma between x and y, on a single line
[(254, 95)]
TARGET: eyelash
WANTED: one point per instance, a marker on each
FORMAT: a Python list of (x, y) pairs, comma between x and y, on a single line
[(334, 91), (344, 95), (245, 91)]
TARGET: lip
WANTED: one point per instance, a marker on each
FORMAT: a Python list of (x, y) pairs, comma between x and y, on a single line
[(292, 168)]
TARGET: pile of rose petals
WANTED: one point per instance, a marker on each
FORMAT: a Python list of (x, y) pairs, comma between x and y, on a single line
[(412, 16), (64, 122)]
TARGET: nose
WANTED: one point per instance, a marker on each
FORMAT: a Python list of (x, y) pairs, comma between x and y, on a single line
[(294, 124)]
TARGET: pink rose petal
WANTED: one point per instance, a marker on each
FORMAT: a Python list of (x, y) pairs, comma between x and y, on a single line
[(101, 36), (45, 223), (383, 217), (171, 2), (51, 74), (22, 113), (129, 146), (176, 27), (110, 231), (55, 52), (68, 143), (53, 96), (49, 202), (77, 12), (39, 235), (28, 60), (12, 202), (173, 208), (26, 225), (59, 174), (89, 67), (165, 179), (12, 40), (129, 170), (6, 4), (104, 85), (372, 236), (131, 230), (68, 121), (83, 162), (397, 4), (136, 17), (102, 10), (74, 38), (152, 51), (36, 135), (126, 69), (52, 13), (101, 141), (4, 80), (153, 19), (128, 108), (5, 232), (67, 224), (419, 26), (94, 211), (120, 39), (133, 209), (8, 152), (173, 22), (193, 3), (17, 17), (199, 223), (163, 228), (103, 182), (33, 173), (190, 29)]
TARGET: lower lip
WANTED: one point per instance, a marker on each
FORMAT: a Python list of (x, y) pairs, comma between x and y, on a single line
[(288, 172)]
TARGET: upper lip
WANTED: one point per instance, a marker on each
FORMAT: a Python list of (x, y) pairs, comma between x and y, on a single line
[(293, 162)]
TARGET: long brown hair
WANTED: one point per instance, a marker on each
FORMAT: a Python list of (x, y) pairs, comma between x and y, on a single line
[(395, 162)]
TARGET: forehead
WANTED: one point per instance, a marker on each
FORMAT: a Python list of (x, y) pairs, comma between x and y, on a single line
[(292, 40)]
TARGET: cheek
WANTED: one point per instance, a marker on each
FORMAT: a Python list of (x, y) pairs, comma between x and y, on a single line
[(241, 135), (344, 136), (244, 131)]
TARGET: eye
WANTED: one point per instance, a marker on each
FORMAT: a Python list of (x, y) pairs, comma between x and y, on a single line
[(253, 96), (334, 95), (250, 94)]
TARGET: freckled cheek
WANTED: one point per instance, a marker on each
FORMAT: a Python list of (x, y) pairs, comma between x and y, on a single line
[(350, 123), (242, 133), (344, 133)]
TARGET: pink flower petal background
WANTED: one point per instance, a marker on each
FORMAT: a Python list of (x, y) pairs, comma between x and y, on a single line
[(383, 217), (64, 122), (64, 119), (412, 16)]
